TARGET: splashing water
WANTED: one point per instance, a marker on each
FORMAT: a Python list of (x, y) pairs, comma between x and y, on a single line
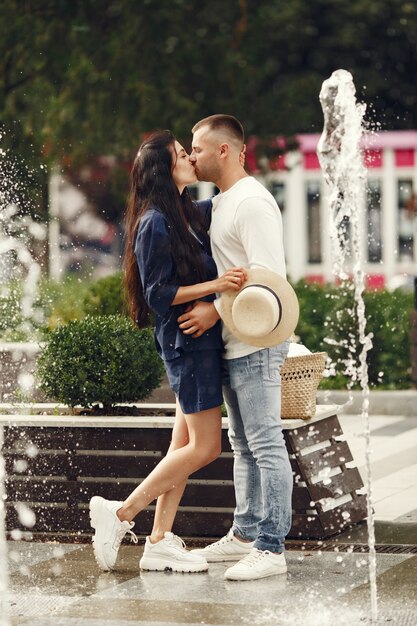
[(17, 231), (341, 161), (20, 272), (14, 230)]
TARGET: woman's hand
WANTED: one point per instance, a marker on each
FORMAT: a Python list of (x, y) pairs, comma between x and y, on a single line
[(232, 279)]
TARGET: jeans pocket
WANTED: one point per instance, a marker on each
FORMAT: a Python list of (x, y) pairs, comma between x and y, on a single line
[(244, 370), (276, 358)]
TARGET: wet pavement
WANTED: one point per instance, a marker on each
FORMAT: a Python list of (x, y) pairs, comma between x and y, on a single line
[(60, 584)]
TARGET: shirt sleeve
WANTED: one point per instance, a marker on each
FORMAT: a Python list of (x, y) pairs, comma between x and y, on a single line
[(156, 268), (259, 225)]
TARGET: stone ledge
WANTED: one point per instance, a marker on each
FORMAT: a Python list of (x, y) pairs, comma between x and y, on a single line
[(58, 416), (401, 402)]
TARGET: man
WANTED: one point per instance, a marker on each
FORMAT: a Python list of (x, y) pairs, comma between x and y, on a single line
[(246, 231)]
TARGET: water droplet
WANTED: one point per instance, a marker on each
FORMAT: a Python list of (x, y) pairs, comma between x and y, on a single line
[(31, 450), (25, 514)]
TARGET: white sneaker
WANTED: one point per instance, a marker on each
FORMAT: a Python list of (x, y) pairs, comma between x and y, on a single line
[(109, 531), (170, 554), (228, 548), (257, 564)]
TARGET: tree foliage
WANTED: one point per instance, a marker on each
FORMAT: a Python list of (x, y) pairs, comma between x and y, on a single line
[(89, 77)]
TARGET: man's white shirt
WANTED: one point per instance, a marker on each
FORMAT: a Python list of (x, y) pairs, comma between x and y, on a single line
[(246, 231)]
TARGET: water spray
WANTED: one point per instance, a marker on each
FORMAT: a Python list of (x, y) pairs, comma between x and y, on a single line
[(341, 161)]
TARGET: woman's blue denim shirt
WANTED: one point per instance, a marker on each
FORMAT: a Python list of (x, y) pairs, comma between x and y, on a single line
[(157, 273)]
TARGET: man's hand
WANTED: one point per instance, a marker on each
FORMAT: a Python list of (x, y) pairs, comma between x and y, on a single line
[(201, 317)]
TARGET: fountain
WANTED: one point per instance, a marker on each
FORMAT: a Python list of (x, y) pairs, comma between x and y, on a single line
[(17, 231), (20, 273), (342, 165)]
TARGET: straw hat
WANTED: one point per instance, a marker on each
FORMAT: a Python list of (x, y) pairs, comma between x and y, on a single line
[(264, 312)]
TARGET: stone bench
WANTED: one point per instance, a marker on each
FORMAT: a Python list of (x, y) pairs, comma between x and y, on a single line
[(55, 463)]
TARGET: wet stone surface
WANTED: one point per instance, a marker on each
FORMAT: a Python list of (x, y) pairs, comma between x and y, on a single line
[(61, 584)]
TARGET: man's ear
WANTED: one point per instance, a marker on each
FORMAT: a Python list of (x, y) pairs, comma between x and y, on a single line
[(242, 155), (223, 150)]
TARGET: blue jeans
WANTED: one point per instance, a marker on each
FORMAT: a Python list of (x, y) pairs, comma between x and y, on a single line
[(262, 471)]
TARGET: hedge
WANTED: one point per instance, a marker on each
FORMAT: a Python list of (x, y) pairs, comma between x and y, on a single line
[(328, 322), (99, 359)]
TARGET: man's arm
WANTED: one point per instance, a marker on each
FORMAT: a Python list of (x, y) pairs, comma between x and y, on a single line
[(259, 228), (199, 318)]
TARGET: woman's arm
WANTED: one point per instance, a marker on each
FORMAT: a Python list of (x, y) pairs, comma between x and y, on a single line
[(157, 271), (232, 279)]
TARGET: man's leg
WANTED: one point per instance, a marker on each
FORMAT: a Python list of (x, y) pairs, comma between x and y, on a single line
[(257, 384), (247, 479), (258, 389)]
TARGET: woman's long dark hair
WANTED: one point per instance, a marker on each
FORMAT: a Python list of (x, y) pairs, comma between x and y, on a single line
[(152, 184)]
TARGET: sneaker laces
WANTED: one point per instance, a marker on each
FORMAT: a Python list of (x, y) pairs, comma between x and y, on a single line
[(121, 533), (226, 539), (132, 537), (254, 556), (176, 542)]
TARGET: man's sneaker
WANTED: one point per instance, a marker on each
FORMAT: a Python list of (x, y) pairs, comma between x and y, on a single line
[(228, 548), (109, 531), (170, 554), (257, 564)]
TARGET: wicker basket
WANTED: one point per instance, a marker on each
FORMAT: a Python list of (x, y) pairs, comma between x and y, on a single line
[(300, 376)]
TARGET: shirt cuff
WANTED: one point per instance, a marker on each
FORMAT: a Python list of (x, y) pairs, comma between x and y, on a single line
[(161, 300)]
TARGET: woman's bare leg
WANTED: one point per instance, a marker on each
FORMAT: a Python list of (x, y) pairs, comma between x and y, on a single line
[(167, 504), (204, 446)]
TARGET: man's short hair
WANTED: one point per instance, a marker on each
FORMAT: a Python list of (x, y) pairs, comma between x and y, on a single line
[(227, 123)]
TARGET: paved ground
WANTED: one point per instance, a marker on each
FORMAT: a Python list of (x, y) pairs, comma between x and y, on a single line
[(61, 585)]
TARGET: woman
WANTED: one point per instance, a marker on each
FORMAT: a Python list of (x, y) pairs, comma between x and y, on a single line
[(167, 266)]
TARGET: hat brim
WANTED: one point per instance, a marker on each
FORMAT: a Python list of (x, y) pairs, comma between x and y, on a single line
[(289, 304)]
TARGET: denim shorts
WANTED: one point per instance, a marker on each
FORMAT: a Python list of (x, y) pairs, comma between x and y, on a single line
[(195, 378)]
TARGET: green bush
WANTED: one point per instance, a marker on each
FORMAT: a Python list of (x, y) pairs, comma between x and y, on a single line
[(105, 296), (62, 302), (58, 303), (388, 315), (328, 322), (74, 299), (103, 359)]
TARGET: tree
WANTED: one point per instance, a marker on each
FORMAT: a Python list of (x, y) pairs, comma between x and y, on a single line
[(90, 77)]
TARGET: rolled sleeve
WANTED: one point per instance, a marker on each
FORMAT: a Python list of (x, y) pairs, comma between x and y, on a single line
[(156, 269)]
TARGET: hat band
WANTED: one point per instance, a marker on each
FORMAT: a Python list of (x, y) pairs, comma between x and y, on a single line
[(275, 296)]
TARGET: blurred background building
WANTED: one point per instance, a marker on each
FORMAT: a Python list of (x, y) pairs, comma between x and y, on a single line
[(89, 243)]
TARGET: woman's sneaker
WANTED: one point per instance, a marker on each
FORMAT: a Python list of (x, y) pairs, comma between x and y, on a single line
[(228, 548), (170, 554), (109, 531), (257, 564)]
